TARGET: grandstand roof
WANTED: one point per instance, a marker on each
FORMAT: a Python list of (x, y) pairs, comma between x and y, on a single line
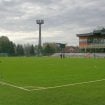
[(95, 32)]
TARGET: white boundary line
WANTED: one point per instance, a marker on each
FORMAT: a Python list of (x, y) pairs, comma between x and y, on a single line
[(34, 87), (73, 84), (11, 85), (46, 88)]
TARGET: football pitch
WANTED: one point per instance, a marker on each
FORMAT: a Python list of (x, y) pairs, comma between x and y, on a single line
[(52, 81)]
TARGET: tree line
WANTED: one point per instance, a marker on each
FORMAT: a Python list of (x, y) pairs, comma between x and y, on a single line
[(9, 48)]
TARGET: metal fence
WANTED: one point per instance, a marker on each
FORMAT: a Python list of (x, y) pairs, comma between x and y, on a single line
[(81, 55)]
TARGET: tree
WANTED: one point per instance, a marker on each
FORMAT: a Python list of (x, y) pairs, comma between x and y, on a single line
[(29, 50), (19, 50), (11, 49), (32, 52), (6, 46), (48, 50)]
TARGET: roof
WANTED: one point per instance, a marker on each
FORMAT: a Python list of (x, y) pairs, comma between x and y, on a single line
[(95, 32), (85, 34)]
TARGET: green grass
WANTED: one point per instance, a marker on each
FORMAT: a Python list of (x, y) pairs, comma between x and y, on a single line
[(46, 72)]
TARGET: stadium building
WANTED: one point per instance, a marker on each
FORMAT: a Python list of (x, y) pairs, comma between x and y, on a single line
[(93, 41)]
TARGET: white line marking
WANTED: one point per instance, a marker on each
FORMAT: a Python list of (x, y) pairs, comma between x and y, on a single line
[(45, 88), (73, 84), (37, 87), (11, 85)]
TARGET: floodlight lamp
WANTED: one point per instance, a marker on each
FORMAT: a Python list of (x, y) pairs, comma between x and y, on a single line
[(40, 21)]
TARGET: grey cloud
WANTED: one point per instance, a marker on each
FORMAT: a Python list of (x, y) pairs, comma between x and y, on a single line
[(65, 15), (39, 1)]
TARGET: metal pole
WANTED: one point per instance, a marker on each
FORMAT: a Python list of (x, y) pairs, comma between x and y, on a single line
[(39, 35), (40, 22)]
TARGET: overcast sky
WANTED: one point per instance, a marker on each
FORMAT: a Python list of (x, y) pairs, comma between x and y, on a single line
[(63, 19)]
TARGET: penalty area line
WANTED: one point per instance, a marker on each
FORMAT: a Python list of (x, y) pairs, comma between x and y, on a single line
[(11, 85), (72, 84)]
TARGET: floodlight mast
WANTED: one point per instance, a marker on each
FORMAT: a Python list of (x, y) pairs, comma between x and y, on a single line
[(40, 22)]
